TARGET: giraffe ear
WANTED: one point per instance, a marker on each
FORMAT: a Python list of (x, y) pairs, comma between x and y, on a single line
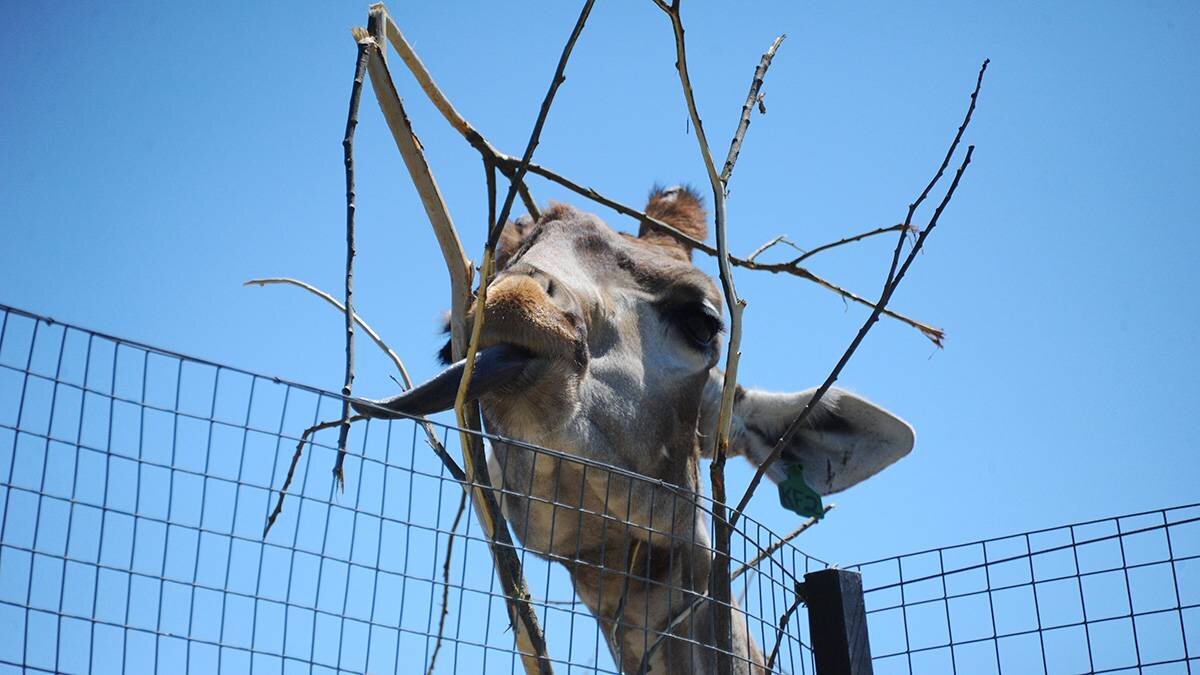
[(845, 441), (680, 207)]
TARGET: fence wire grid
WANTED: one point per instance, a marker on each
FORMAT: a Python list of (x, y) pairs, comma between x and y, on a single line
[(137, 482), (1117, 595)]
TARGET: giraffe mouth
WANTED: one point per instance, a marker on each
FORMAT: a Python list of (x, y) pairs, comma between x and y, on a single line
[(498, 367)]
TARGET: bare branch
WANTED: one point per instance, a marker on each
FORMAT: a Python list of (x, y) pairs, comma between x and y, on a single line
[(781, 239), (848, 240), (507, 165), (425, 80), (450, 113), (392, 355), (527, 632), (457, 263), (287, 481), (430, 434), (360, 66), (895, 275), (752, 98), (437, 646), (719, 588), (530, 203), (962, 128), (543, 113), (805, 255), (770, 550), (934, 334)]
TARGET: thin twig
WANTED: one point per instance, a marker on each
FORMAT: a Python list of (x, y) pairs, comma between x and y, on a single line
[(391, 354), (287, 481), (770, 550), (934, 334), (752, 99), (895, 275), (360, 67), (962, 128), (543, 113), (781, 239), (783, 622), (462, 505), (848, 240), (431, 435)]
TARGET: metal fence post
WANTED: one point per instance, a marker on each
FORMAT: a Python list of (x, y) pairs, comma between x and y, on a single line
[(837, 620)]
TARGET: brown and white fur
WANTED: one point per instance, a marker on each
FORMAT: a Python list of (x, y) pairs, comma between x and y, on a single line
[(622, 336)]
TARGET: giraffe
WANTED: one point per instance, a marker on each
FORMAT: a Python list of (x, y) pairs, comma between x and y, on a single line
[(604, 346)]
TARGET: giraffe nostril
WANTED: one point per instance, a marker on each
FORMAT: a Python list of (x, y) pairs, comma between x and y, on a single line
[(546, 282), (559, 294)]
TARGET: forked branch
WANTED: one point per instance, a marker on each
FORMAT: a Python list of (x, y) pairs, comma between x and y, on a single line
[(894, 277), (291, 473), (508, 164), (430, 434)]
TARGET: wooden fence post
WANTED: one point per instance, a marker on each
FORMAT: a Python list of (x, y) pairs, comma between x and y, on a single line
[(837, 621)]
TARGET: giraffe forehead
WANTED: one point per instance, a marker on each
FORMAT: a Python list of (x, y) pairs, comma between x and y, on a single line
[(584, 251)]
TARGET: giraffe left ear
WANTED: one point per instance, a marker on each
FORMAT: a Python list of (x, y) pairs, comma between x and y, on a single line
[(845, 441)]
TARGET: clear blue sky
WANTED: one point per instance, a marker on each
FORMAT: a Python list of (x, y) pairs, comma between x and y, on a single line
[(157, 155)]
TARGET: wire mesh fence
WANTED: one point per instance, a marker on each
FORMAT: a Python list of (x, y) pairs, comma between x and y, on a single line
[(136, 485), (1118, 595), (137, 481)]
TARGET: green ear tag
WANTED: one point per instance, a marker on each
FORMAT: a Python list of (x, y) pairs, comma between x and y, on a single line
[(796, 496)]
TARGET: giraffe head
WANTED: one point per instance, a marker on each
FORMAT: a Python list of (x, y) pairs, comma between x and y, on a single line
[(604, 346)]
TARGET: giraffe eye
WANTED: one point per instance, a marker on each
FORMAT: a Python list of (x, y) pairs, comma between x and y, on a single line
[(699, 323)]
